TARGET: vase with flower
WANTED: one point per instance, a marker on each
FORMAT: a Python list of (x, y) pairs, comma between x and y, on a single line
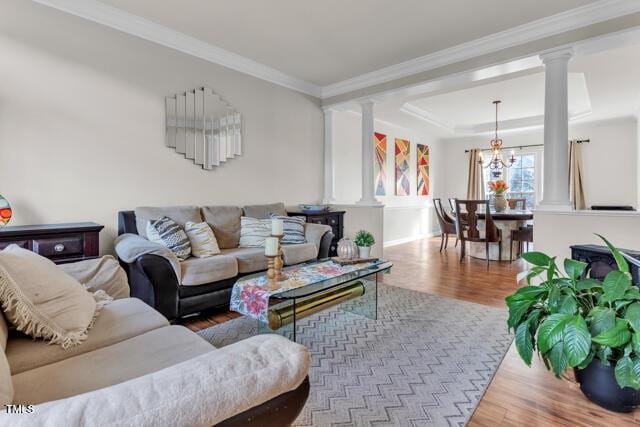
[(498, 188)]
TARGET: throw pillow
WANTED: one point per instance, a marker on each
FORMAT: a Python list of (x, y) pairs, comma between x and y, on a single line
[(203, 242), (172, 236), (152, 233), (253, 231), (43, 301), (293, 229)]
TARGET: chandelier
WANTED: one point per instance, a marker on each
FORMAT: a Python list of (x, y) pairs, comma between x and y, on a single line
[(496, 164)]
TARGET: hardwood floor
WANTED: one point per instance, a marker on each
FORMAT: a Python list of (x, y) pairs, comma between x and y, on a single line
[(518, 395)]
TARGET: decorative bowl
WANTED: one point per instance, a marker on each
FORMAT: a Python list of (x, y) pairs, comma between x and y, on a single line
[(314, 208), (5, 211)]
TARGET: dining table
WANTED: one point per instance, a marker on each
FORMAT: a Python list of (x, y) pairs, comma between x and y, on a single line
[(508, 220)]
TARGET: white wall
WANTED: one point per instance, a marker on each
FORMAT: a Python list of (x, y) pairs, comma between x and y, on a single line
[(610, 160), (82, 126), (405, 217)]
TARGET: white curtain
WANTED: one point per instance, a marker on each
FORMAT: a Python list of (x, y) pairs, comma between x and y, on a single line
[(475, 182)]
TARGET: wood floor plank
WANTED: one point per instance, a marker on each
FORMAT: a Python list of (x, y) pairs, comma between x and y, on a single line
[(518, 395)]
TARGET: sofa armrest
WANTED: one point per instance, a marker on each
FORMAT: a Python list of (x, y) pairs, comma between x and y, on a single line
[(315, 233), (202, 391)]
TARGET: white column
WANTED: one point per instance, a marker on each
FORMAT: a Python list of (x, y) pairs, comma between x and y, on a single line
[(328, 156), (368, 189), (555, 192)]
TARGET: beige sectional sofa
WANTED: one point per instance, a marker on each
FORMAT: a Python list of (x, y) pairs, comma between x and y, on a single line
[(177, 288), (137, 369)]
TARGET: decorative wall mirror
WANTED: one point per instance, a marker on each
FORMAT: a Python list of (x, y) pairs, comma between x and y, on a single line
[(203, 127)]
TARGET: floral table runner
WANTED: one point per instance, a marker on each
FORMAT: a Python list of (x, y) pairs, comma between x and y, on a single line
[(250, 296)]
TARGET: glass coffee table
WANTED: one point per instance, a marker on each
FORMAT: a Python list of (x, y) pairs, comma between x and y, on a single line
[(310, 288)]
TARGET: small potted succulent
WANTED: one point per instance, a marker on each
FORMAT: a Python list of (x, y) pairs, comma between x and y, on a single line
[(364, 240), (498, 188), (589, 325)]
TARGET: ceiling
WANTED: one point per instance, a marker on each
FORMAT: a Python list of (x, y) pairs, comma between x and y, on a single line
[(601, 85), (325, 42)]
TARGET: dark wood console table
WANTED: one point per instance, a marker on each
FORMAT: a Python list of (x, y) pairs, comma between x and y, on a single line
[(335, 219), (59, 242)]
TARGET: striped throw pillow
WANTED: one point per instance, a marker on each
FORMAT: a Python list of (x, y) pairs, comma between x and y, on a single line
[(293, 229), (203, 242), (173, 236), (253, 231)]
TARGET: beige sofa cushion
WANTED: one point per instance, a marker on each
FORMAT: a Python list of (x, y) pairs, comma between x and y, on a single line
[(6, 384), (102, 273), (43, 301), (197, 271), (180, 214), (295, 254), (249, 260), (118, 321), (225, 223), (203, 241), (202, 391), (264, 211), (132, 358)]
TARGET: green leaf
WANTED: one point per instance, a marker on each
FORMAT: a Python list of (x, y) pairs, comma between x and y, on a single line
[(635, 342), (587, 360), (632, 315), (524, 342), (558, 359), (550, 332), (603, 354), (527, 293), (601, 319), (554, 300), (625, 373), (585, 284), (574, 269), (615, 285), (568, 305), (537, 258), (551, 271), (517, 310), (617, 336), (577, 340), (622, 263), (632, 293)]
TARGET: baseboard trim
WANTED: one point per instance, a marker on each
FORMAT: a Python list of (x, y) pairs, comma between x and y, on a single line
[(409, 239)]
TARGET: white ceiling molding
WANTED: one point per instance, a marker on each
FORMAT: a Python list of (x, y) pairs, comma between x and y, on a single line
[(481, 128), (118, 19), (121, 20), (384, 122), (562, 22)]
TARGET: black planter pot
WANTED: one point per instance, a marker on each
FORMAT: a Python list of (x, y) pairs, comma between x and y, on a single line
[(598, 383)]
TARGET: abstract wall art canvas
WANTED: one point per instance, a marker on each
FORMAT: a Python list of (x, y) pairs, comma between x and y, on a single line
[(422, 152), (380, 165), (402, 167)]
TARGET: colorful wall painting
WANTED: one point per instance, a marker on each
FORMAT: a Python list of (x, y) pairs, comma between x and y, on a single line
[(380, 163), (422, 152), (402, 167)]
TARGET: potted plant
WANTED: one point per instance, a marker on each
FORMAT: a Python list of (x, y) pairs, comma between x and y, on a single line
[(364, 240), (575, 322), (498, 188)]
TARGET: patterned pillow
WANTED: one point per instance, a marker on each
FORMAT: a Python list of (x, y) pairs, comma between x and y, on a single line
[(253, 231), (293, 229), (203, 242), (172, 236)]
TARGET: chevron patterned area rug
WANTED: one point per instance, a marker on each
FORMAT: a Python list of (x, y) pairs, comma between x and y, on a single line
[(427, 360)]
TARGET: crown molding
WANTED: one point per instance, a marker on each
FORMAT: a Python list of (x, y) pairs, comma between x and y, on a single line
[(481, 128), (129, 23), (569, 20), (121, 20)]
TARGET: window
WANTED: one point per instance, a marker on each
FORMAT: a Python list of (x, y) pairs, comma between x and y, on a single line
[(521, 177)]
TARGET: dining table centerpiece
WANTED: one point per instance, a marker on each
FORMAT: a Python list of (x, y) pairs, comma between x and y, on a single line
[(498, 188)]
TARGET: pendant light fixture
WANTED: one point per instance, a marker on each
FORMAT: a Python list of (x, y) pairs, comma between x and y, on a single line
[(496, 164)]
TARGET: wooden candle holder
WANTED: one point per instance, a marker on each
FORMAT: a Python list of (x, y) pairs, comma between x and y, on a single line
[(278, 275)]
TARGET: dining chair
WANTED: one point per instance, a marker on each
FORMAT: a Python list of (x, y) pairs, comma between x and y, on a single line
[(467, 226), (521, 235), (447, 224), (452, 205), (517, 204)]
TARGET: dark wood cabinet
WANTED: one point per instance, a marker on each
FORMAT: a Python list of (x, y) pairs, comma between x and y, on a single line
[(335, 219), (59, 242), (600, 261)]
